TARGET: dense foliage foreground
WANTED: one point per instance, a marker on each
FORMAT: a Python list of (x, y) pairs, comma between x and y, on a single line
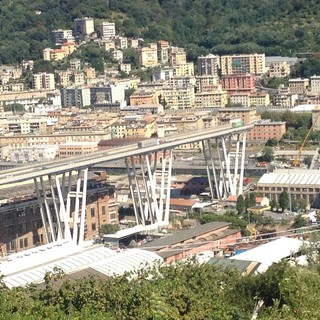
[(186, 291)]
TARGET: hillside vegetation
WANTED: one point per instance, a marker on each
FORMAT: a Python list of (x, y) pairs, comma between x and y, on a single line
[(220, 26)]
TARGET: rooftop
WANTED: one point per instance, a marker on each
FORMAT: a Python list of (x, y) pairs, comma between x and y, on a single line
[(182, 236)]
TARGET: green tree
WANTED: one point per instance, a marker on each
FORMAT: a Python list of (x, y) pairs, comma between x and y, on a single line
[(109, 228), (307, 161), (267, 154), (299, 222), (273, 204), (240, 206), (284, 200)]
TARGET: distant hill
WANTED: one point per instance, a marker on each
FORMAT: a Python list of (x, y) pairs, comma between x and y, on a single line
[(220, 26)]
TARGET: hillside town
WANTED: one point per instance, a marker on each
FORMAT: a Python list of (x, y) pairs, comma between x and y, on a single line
[(151, 91)]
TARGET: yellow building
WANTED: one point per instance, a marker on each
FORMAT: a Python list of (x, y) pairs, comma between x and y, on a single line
[(72, 149), (184, 69), (298, 85), (259, 99), (179, 97), (109, 44), (57, 54), (147, 56), (177, 56), (211, 99), (141, 97), (68, 47), (242, 64)]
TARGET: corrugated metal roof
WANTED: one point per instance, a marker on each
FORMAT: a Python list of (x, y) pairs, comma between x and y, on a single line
[(291, 177), (185, 235), (271, 252), (99, 258)]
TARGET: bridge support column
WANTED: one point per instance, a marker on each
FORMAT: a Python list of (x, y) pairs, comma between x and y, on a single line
[(150, 187), (223, 165), (55, 203)]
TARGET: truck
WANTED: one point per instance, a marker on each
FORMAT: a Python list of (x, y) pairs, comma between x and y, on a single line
[(148, 143), (237, 124)]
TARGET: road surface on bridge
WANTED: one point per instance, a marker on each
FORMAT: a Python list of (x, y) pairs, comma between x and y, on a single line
[(60, 166)]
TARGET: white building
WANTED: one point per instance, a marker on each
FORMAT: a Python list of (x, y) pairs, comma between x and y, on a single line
[(117, 55), (83, 26), (43, 80), (34, 153), (60, 36), (107, 30), (315, 84)]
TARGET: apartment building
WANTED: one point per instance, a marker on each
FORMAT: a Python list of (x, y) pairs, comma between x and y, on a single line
[(240, 99), (33, 153), (121, 42), (77, 78), (267, 129), (147, 56), (208, 65), (217, 98), (63, 78), (298, 85), (107, 94), (243, 64), (23, 97), (68, 47), (182, 81), (315, 85), (117, 55), (43, 80), (179, 97), (83, 26), (107, 30), (75, 64), (279, 69), (238, 83), (177, 56), (183, 69), (75, 97), (246, 115), (162, 74), (26, 140), (206, 83), (23, 124), (90, 73), (61, 36), (125, 67), (141, 97), (259, 99), (141, 129), (163, 51), (108, 44), (278, 66), (77, 148), (133, 43)]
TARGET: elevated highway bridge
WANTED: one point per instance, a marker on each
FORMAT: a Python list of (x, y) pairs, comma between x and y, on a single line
[(149, 186)]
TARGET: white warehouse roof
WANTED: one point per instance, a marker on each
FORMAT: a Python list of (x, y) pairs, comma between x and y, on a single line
[(303, 108), (291, 177), (271, 252), (24, 269)]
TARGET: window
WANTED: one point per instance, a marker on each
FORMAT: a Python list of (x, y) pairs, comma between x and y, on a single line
[(9, 230), (103, 210), (92, 212), (112, 216), (93, 227)]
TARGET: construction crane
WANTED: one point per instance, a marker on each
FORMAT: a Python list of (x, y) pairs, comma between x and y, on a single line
[(296, 162)]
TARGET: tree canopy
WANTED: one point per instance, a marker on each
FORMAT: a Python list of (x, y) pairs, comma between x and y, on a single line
[(174, 292), (276, 27)]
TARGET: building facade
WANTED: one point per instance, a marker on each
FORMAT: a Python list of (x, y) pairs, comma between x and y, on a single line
[(243, 64), (267, 129)]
